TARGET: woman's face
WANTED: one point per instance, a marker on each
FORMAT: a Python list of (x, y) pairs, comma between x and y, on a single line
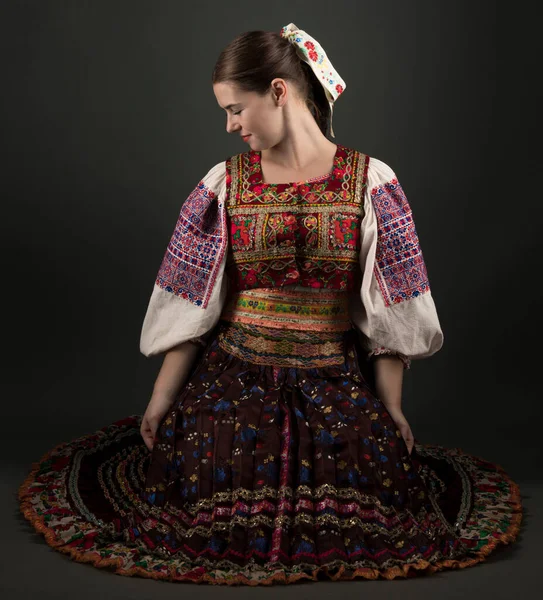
[(248, 114)]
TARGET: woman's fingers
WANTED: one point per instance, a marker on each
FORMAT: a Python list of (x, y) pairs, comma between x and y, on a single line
[(403, 425), (147, 434), (407, 436)]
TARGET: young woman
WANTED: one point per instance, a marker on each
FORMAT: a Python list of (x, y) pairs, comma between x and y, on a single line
[(292, 296)]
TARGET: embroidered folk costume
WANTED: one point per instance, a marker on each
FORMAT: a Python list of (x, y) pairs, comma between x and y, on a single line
[(277, 462)]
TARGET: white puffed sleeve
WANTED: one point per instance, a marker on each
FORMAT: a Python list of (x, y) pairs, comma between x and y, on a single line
[(394, 308), (190, 289)]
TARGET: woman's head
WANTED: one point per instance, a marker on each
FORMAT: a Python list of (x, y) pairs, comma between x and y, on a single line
[(261, 83)]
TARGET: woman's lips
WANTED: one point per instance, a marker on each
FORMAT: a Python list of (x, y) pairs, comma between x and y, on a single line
[(245, 137)]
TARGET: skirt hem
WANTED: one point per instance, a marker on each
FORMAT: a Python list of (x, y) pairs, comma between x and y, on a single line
[(202, 575)]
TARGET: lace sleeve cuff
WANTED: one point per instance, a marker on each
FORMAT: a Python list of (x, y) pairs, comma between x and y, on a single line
[(199, 341), (382, 350)]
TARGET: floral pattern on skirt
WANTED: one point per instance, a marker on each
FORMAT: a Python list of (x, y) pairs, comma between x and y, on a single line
[(263, 474)]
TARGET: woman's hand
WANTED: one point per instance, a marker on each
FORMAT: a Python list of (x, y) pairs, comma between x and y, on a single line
[(156, 410), (401, 423), (173, 374)]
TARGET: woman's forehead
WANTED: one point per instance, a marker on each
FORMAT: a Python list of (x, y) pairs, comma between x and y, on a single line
[(228, 93)]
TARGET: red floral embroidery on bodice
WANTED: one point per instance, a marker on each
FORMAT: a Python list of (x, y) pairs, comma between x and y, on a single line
[(304, 233)]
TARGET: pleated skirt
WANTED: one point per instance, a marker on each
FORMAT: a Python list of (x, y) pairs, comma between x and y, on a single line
[(276, 463)]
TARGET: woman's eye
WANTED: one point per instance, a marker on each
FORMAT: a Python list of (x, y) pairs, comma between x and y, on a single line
[(236, 113)]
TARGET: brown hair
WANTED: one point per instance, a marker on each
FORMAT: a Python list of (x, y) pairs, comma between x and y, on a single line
[(253, 59)]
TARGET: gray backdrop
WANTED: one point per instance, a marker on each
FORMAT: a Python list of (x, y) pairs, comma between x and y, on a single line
[(110, 121)]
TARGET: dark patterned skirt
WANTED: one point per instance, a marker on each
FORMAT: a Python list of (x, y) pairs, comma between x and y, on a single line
[(276, 463)]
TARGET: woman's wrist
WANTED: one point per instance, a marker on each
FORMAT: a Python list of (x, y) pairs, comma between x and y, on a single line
[(162, 393), (392, 405)]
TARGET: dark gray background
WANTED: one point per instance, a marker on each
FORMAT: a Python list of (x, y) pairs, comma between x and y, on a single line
[(110, 121)]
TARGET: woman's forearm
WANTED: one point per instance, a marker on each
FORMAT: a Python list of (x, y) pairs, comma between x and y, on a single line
[(175, 369), (388, 380)]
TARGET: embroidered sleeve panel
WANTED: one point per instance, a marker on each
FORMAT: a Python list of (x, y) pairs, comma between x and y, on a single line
[(394, 308), (399, 265), (190, 288), (192, 259)]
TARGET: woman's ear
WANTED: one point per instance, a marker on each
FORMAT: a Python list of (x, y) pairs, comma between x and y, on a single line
[(279, 91)]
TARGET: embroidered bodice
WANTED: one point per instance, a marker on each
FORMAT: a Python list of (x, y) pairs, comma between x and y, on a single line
[(303, 233)]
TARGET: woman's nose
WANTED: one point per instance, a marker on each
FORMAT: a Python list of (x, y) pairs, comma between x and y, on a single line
[(231, 126)]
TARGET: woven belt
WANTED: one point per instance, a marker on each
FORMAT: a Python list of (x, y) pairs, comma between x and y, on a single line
[(311, 310)]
